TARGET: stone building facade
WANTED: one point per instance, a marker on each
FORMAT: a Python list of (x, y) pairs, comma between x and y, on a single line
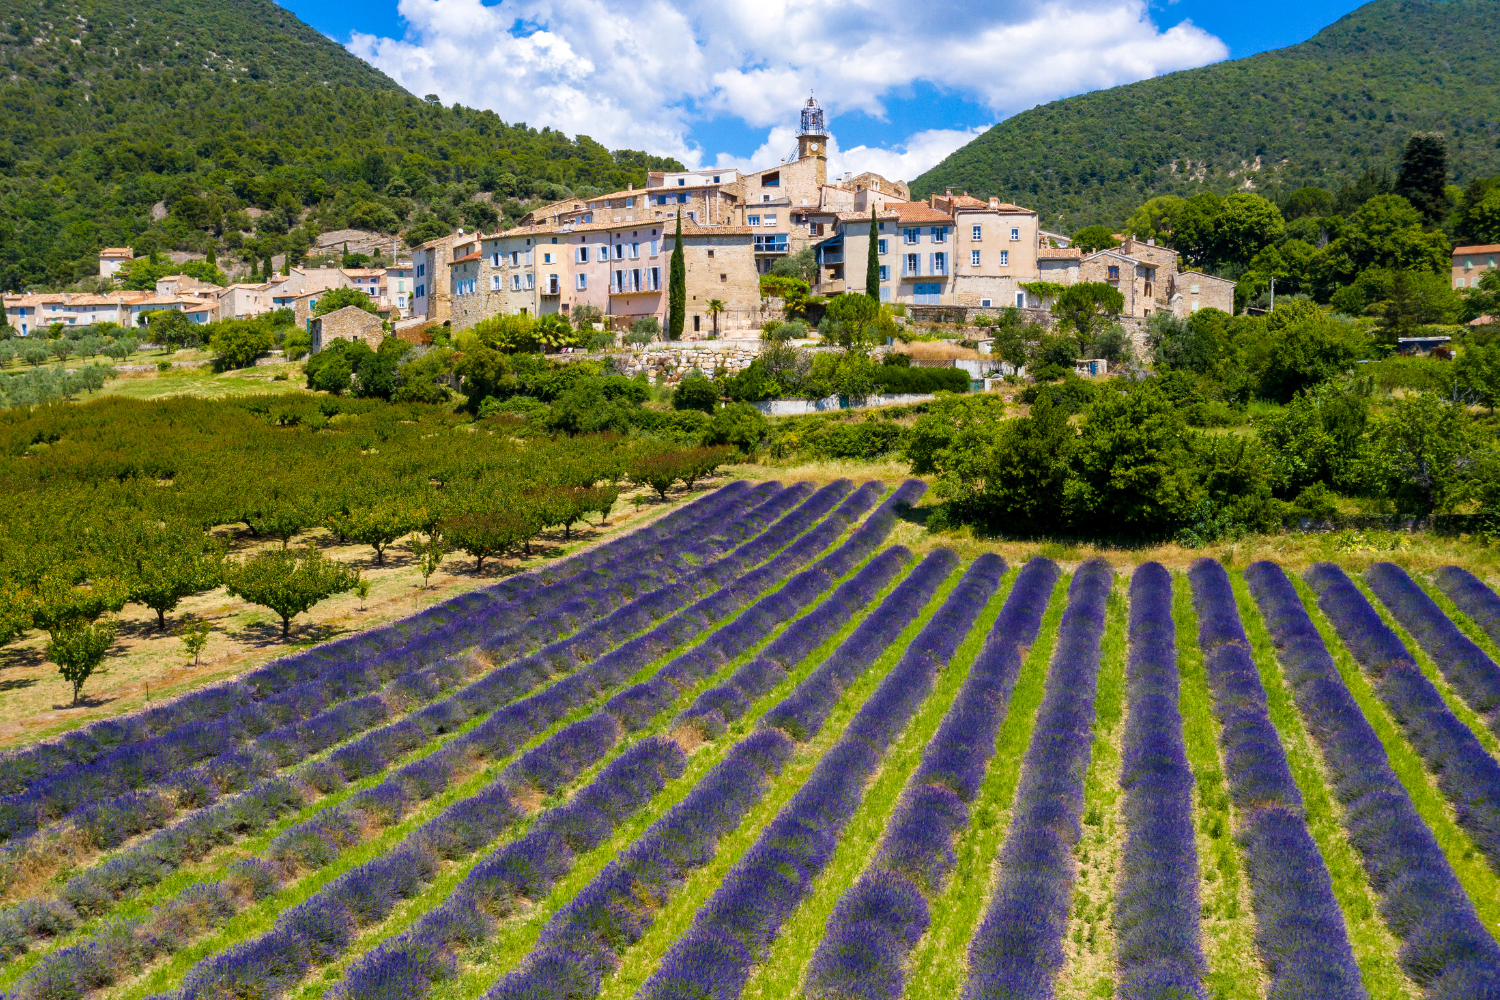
[(348, 323)]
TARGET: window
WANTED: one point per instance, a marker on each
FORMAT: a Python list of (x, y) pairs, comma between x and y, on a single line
[(716, 178), (654, 277), (940, 234), (881, 247), (815, 229), (635, 279), (771, 180), (583, 282), (978, 233), (974, 258), (515, 258), (619, 281), (682, 198), (1193, 289), (911, 235), (1114, 272), (495, 259), (770, 220), (771, 243), (661, 199), (630, 203), (984, 303), (885, 272), (583, 255), (1015, 234), (913, 264), (710, 254), (421, 290), (635, 251), (1020, 300), (494, 282), (421, 270), (753, 220), (939, 263), (619, 251), (546, 258), (515, 282), (765, 197), (693, 216), (682, 182), (1005, 258)]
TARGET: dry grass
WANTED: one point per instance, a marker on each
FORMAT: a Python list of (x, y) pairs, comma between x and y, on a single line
[(936, 350), (147, 664)]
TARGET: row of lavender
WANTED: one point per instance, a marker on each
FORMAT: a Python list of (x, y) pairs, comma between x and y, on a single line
[(1018, 945), (264, 734), (217, 702), (584, 939), (528, 868), (1445, 948), (316, 841), (880, 918), (94, 890), (560, 759)]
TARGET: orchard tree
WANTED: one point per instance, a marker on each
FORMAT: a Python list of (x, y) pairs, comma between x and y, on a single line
[(288, 582), (78, 646), (483, 535), (167, 562), (376, 523)]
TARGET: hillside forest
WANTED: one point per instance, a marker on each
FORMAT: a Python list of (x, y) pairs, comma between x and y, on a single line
[(191, 124), (1321, 112)]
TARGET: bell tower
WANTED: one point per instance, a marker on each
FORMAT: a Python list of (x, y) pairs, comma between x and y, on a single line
[(812, 137)]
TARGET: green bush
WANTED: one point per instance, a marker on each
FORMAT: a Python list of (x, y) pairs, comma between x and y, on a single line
[(895, 379), (696, 393)]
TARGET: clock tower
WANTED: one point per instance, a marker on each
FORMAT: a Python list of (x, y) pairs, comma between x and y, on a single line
[(812, 137)]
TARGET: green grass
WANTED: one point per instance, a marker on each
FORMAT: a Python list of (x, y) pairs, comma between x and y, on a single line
[(673, 920), (1374, 946), (780, 974), (939, 964), (1089, 942), (205, 382), (1468, 864), (1228, 926)]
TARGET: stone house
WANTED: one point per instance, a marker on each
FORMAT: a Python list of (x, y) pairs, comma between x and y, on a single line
[(1193, 290), (348, 323), (113, 260), (995, 250), (245, 300), (1137, 280), (432, 288)]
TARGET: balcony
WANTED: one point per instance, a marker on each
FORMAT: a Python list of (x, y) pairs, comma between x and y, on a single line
[(833, 258), (551, 287), (772, 243)]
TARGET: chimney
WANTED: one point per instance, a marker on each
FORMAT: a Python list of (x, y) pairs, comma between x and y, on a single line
[(1151, 242), (630, 185), (994, 202), (948, 193)]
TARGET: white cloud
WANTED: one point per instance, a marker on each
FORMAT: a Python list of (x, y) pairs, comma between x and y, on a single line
[(639, 74)]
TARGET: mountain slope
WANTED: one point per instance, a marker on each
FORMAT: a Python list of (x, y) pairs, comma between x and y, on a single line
[(214, 107), (1316, 113)]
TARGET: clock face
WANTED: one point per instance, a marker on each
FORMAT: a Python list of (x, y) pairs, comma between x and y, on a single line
[(813, 147)]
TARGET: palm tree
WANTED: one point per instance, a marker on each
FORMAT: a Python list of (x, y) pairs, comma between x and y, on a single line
[(716, 306)]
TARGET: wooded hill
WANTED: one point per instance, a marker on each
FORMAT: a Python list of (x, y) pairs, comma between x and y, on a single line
[(214, 107), (1322, 112)]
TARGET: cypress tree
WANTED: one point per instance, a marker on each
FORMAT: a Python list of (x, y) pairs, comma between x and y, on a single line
[(1424, 175), (677, 287), (872, 266), (213, 259)]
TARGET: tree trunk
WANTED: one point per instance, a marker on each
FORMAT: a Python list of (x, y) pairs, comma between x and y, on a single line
[(161, 619), (286, 625)]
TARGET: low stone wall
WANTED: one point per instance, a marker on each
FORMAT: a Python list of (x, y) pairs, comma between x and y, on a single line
[(801, 407)]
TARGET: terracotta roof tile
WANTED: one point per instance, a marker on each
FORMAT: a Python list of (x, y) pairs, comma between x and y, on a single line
[(1487, 248), (1058, 253)]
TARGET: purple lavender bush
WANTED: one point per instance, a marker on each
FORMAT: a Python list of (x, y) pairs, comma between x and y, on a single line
[(1017, 947), (1299, 928), (1445, 947), (1465, 771)]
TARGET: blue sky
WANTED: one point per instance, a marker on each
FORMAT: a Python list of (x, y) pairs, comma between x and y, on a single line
[(719, 81)]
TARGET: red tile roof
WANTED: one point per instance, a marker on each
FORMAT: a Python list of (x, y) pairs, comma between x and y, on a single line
[(1487, 248)]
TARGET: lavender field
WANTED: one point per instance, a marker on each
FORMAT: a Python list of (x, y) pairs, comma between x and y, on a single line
[(755, 749)]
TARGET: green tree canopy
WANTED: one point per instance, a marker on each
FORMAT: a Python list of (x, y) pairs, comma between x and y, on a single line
[(288, 582)]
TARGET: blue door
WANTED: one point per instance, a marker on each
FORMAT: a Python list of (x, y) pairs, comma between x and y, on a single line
[(927, 293)]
